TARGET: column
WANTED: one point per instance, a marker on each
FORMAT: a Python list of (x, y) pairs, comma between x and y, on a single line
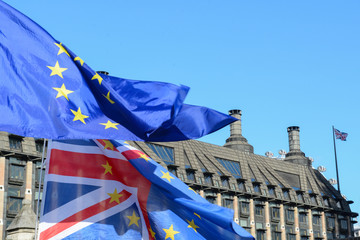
[(337, 231), (323, 223), (2, 195), (267, 220), (282, 222), (218, 199), (349, 225), (28, 179), (252, 218), (296, 223), (202, 193), (309, 213), (236, 208)]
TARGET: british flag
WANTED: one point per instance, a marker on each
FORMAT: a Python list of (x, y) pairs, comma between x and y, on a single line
[(340, 135), (102, 189)]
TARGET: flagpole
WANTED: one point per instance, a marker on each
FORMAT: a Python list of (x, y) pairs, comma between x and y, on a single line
[(40, 182), (336, 164)]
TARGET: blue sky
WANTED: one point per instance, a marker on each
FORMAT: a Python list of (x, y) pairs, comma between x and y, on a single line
[(283, 63)]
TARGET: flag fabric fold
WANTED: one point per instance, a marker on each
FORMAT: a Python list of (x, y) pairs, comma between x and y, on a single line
[(47, 91), (102, 189)]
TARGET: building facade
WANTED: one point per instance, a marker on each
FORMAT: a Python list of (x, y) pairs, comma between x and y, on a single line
[(273, 199)]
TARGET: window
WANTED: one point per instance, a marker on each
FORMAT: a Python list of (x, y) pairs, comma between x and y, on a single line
[(317, 234), (257, 188), (228, 203), (291, 236), (208, 179), (326, 202), (17, 172), (14, 201), (165, 153), (14, 205), (286, 195), (316, 219), (275, 213), (330, 235), (343, 224), (241, 186), (260, 235), (39, 144), (190, 176), (302, 217), (244, 208), (225, 182), (330, 222), (290, 216), (300, 197), (172, 170), (275, 232), (15, 143), (232, 166), (259, 210), (271, 191), (210, 199), (313, 200)]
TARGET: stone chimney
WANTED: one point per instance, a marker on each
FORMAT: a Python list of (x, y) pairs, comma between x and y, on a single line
[(236, 140), (295, 155)]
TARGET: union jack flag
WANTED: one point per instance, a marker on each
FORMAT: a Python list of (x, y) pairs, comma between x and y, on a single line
[(340, 135), (102, 189)]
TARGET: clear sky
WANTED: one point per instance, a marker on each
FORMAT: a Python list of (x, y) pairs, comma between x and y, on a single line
[(283, 63)]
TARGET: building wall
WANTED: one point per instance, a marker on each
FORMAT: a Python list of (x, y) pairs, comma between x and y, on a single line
[(263, 210)]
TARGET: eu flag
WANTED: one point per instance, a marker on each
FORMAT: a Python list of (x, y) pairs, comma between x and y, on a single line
[(105, 189), (47, 91)]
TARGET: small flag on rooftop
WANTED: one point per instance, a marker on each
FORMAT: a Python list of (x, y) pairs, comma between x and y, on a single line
[(340, 135)]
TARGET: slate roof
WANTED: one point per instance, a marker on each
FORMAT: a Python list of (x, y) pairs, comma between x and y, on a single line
[(255, 170)]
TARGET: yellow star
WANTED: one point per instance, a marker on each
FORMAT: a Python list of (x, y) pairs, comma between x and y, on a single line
[(63, 92), (79, 115), (166, 176), (144, 156), (108, 98), (80, 60), (152, 232), (109, 124), (108, 144), (107, 168), (115, 196), (97, 76), (61, 49), (197, 215), (133, 219), (56, 70), (170, 232), (192, 225)]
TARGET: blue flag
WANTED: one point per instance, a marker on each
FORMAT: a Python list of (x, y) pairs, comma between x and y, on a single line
[(102, 189), (47, 91)]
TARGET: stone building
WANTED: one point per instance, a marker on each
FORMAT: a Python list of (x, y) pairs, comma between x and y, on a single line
[(272, 198)]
